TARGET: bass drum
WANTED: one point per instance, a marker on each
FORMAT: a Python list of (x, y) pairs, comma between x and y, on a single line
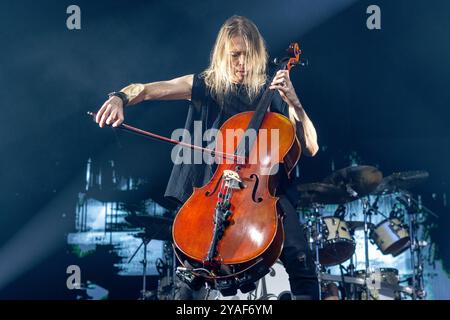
[(274, 286)]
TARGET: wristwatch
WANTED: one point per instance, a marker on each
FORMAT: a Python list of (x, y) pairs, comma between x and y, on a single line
[(123, 96)]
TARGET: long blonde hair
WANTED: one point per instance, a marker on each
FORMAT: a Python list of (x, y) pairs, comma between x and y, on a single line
[(218, 74)]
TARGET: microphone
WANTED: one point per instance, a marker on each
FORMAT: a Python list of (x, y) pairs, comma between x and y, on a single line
[(403, 202), (410, 206), (375, 203), (351, 191), (340, 212)]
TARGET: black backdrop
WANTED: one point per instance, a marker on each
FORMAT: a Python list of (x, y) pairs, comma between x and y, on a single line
[(380, 93)]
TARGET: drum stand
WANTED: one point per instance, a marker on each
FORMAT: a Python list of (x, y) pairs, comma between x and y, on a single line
[(351, 268), (367, 212), (315, 242), (415, 249), (145, 241)]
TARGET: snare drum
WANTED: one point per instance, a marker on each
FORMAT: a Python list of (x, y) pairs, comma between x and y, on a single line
[(391, 237), (338, 244)]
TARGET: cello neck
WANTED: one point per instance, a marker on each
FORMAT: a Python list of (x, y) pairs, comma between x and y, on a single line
[(243, 149)]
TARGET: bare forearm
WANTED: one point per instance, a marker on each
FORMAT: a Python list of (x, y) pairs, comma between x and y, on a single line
[(135, 93), (306, 131), (175, 89)]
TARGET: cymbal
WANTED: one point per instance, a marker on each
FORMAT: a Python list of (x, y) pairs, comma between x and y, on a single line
[(322, 193), (158, 228), (401, 181), (360, 179)]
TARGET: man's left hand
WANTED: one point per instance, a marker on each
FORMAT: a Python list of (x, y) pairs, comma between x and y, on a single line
[(283, 84)]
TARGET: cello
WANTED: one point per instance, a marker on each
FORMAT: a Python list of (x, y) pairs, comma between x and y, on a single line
[(229, 232)]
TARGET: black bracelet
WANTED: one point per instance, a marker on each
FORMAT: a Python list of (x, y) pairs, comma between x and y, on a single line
[(123, 96)]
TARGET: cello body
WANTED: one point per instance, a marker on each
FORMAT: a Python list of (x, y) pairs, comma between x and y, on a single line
[(253, 237)]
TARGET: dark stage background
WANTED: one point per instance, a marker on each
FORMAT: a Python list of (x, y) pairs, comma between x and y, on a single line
[(381, 95)]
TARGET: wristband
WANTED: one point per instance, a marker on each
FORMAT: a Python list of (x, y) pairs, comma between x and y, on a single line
[(123, 96)]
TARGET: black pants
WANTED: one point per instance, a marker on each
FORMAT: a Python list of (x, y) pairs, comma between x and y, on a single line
[(296, 256)]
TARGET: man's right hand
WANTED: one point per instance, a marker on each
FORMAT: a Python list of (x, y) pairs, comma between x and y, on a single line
[(111, 112)]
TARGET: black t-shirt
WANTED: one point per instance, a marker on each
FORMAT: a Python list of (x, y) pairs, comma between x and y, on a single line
[(206, 109)]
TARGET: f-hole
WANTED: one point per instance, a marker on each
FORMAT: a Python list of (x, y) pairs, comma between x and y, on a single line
[(255, 188), (208, 193)]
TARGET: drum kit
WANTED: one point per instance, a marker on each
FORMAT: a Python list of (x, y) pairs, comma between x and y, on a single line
[(332, 240), (330, 235)]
